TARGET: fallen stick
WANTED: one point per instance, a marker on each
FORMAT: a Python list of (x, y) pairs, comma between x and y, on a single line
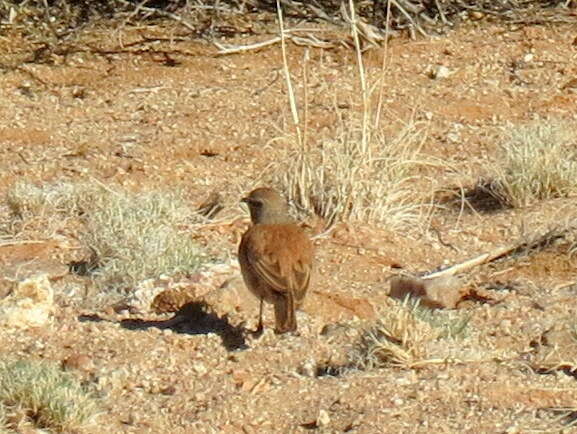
[(240, 48), (500, 252), (309, 41), (471, 263)]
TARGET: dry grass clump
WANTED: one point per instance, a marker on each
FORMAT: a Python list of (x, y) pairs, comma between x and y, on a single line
[(133, 236), (397, 339), (3, 418), (136, 237), (360, 173), (344, 180), (34, 208), (539, 162), (404, 335), (39, 393)]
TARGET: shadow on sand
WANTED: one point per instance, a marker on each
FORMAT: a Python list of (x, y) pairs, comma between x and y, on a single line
[(193, 318)]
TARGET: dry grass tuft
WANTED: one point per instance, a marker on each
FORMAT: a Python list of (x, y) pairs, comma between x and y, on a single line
[(136, 237), (402, 337), (133, 236), (398, 339), (47, 397), (34, 209), (343, 181), (359, 173), (539, 162)]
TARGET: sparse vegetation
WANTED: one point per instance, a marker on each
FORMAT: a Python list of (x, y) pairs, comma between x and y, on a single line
[(402, 336), (361, 173), (398, 339), (47, 397), (539, 162), (60, 19), (451, 324), (136, 237), (132, 236), (147, 106), (342, 180), (35, 208)]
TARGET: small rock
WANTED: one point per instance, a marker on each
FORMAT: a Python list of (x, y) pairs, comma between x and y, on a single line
[(308, 368), (442, 292), (199, 368), (439, 72), (476, 15), (78, 92), (78, 362), (323, 419), (168, 390), (330, 329), (30, 305)]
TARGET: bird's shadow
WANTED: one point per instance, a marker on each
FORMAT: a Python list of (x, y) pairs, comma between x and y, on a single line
[(193, 318)]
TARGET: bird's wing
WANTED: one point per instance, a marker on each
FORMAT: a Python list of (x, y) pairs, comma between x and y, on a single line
[(282, 258)]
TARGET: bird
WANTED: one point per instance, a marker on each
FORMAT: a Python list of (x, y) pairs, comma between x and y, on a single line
[(276, 258)]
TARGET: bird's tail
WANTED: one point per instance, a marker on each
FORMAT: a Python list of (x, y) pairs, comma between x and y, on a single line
[(284, 311)]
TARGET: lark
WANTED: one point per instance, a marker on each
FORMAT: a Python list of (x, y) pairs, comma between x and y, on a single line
[(276, 258)]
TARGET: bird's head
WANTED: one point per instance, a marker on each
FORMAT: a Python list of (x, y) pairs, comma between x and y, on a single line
[(267, 206)]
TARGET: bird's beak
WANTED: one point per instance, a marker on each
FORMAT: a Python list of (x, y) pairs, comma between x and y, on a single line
[(245, 200)]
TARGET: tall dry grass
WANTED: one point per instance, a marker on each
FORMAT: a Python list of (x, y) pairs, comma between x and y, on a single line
[(361, 173)]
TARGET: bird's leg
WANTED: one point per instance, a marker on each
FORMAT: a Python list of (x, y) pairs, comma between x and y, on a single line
[(260, 327)]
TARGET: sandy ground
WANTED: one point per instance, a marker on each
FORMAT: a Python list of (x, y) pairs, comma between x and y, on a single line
[(127, 118)]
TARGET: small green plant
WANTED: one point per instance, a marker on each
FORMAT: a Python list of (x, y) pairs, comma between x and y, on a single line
[(539, 161), (452, 324), (50, 398), (136, 237)]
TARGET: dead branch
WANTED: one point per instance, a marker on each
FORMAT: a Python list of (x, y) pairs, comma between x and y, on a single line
[(309, 41), (232, 49), (536, 242)]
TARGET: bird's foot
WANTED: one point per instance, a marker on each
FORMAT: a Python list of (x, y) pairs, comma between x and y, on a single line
[(289, 332), (258, 332)]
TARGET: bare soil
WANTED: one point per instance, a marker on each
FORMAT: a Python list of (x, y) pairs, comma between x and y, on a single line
[(128, 118)]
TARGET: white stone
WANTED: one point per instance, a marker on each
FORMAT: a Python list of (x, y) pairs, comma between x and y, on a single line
[(30, 305)]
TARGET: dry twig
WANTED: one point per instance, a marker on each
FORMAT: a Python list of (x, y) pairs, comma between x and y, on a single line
[(537, 241)]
